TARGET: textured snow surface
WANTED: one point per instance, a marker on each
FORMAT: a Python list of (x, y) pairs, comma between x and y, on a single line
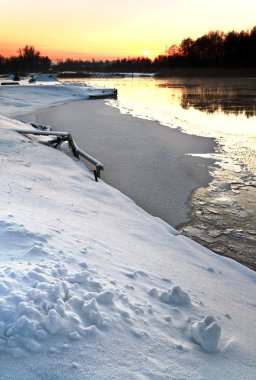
[(93, 287), (19, 100)]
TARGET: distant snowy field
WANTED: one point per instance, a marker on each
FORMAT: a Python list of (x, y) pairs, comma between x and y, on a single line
[(93, 287)]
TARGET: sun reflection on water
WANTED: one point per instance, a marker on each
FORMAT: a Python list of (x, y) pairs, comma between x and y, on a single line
[(224, 109)]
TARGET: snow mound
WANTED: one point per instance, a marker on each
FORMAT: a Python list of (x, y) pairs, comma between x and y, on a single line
[(42, 300), (47, 300), (175, 295), (207, 333), (22, 241), (39, 301)]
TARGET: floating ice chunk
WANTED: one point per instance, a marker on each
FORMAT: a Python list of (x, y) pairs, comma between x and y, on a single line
[(223, 187), (52, 322), (105, 297), (175, 295), (206, 332), (215, 233)]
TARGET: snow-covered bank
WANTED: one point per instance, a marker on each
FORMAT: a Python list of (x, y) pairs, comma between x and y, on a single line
[(17, 100), (93, 287)]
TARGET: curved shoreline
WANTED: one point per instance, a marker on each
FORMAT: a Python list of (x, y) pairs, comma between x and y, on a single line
[(143, 159)]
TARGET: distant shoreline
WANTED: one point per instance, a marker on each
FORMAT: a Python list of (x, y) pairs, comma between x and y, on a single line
[(186, 72), (209, 72)]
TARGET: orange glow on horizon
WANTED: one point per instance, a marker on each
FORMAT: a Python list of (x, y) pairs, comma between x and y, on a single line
[(110, 29), (55, 55)]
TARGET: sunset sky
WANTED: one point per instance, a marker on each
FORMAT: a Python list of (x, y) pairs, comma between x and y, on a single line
[(109, 29)]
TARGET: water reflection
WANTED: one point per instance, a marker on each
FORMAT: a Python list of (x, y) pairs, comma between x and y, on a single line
[(230, 96), (221, 108)]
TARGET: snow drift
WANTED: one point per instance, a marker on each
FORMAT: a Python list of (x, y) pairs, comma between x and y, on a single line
[(94, 287)]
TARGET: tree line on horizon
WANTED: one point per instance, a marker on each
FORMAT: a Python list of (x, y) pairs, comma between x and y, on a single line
[(215, 49), (28, 60)]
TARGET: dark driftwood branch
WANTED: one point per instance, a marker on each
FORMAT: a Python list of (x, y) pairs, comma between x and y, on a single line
[(65, 136)]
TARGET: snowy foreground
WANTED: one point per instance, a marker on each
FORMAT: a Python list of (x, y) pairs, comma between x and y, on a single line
[(93, 287)]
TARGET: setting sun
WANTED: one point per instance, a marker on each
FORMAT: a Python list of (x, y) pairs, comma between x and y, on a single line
[(147, 53), (109, 29)]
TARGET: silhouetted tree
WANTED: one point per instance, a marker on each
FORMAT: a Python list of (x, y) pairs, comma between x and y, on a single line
[(30, 59), (216, 49)]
